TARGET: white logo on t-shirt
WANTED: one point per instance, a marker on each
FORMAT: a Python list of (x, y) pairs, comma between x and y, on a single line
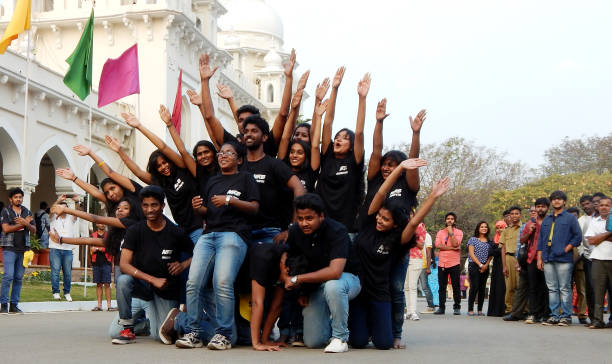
[(396, 193), (234, 193), (178, 185), (382, 249), (260, 178), (166, 254), (342, 170)]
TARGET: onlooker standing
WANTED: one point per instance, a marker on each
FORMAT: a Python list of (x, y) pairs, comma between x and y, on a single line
[(17, 224), (101, 264), (601, 257), (497, 290), (415, 265), (578, 281), (425, 272), (507, 242), (448, 241), (60, 255), (41, 217), (559, 234), (586, 203), (478, 268)]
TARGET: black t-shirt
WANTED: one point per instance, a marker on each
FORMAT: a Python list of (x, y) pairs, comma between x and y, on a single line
[(202, 177), (340, 186), (330, 241), (400, 191), (376, 252), (308, 177), (227, 218), (264, 262), (271, 175), (118, 234), (19, 237), (153, 250), (180, 188), (270, 147)]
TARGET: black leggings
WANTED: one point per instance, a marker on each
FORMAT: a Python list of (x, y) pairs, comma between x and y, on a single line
[(478, 282)]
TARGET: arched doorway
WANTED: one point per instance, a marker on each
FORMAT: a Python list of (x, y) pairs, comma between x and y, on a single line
[(10, 165)]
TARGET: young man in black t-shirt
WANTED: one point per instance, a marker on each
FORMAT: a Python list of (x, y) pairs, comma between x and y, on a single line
[(324, 244), (150, 266), (17, 224)]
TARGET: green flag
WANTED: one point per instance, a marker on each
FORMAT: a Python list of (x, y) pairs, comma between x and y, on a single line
[(78, 77)]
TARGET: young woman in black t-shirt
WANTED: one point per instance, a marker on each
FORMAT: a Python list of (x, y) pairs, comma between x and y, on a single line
[(386, 229), (205, 155)]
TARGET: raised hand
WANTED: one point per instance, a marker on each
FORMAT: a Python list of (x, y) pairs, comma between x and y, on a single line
[(57, 209), (440, 187), (338, 77), (413, 163), (65, 173), (297, 99), (417, 122), (195, 97), (381, 110), (364, 85), (81, 150), (130, 119), (321, 108), (206, 72), (112, 143), (224, 91), (302, 82), (290, 64), (165, 115), (322, 89)]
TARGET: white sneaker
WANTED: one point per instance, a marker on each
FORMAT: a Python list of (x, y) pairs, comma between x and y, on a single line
[(414, 317), (336, 346), (56, 296), (67, 297)]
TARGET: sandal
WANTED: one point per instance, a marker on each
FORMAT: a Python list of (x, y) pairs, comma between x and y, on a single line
[(470, 313), (112, 309), (480, 314), (97, 308)]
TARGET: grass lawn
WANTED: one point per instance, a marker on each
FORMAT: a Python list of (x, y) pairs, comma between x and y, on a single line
[(40, 291)]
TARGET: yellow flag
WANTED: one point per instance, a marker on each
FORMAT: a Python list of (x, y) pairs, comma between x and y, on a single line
[(19, 23)]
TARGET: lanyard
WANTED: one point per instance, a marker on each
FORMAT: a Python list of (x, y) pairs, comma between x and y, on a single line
[(550, 236)]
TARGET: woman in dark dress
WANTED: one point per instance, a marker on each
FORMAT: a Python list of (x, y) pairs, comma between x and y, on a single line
[(497, 291)]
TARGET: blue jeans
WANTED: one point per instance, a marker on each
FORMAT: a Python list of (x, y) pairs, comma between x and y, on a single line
[(60, 259), (264, 235), (398, 298), (132, 310), (13, 274), (219, 254), (326, 315), (423, 281), (559, 281), (370, 319)]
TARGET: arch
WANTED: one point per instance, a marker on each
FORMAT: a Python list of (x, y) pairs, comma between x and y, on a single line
[(270, 93), (11, 156), (60, 155)]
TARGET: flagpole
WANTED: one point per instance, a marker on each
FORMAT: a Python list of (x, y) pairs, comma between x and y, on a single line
[(25, 113), (88, 181)]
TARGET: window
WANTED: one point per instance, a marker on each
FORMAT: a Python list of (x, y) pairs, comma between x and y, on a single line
[(270, 93)]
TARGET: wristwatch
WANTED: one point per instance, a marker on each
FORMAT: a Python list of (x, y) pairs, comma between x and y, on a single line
[(227, 199), (480, 265), (294, 279)]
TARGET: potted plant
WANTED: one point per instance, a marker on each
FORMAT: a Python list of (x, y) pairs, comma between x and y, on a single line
[(36, 247)]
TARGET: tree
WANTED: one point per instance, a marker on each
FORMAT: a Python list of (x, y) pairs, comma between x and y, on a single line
[(579, 156)]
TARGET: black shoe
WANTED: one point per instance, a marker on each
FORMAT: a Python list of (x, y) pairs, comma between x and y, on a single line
[(4, 308), (14, 308), (509, 317), (457, 311), (609, 325), (550, 322), (597, 325), (439, 312), (583, 321)]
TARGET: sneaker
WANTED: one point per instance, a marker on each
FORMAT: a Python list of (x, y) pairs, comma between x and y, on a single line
[(583, 320), (125, 337), (609, 325), (167, 334), (439, 312), (4, 308), (597, 325), (336, 346), (457, 311), (565, 322), (56, 296), (219, 342), (189, 341), (530, 319), (298, 341), (550, 322), (14, 309), (428, 310), (510, 317), (67, 297), (414, 317)]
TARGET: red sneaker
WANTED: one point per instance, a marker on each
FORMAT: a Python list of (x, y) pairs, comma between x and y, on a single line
[(125, 337)]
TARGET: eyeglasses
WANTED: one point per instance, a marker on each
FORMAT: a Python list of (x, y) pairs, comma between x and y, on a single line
[(226, 154)]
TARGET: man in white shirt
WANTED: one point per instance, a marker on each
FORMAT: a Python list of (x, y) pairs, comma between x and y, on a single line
[(60, 255), (601, 258), (586, 204)]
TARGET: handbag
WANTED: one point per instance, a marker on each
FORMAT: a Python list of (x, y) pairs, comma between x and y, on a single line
[(609, 224), (522, 255)]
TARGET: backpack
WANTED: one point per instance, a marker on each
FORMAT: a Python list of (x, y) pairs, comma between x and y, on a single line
[(39, 227)]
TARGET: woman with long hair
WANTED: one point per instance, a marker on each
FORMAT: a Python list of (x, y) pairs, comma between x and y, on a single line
[(478, 267)]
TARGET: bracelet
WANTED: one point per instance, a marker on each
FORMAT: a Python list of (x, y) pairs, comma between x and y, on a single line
[(60, 239), (101, 164), (134, 274), (75, 178)]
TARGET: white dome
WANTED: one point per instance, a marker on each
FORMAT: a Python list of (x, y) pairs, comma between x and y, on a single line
[(251, 16), (273, 60)]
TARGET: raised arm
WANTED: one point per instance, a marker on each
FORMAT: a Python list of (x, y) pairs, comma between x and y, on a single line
[(283, 112), (53, 235), (196, 100), (206, 73), (331, 110), (173, 156), (187, 158), (439, 188), (226, 93), (315, 135), (114, 144), (96, 219), (362, 90), (67, 174), (377, 142), (283, 146), (412, 177), (122, 180), (381, 194)]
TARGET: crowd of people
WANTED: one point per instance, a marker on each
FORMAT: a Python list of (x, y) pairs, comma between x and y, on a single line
[(281, 218)]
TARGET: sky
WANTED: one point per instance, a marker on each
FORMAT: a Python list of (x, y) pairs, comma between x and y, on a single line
[(515, 76)]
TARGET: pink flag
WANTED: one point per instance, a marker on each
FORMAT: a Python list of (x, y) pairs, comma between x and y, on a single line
[(119, 77), (178, 102)]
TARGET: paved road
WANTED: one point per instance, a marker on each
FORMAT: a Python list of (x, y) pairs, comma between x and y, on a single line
[(80, 337)]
